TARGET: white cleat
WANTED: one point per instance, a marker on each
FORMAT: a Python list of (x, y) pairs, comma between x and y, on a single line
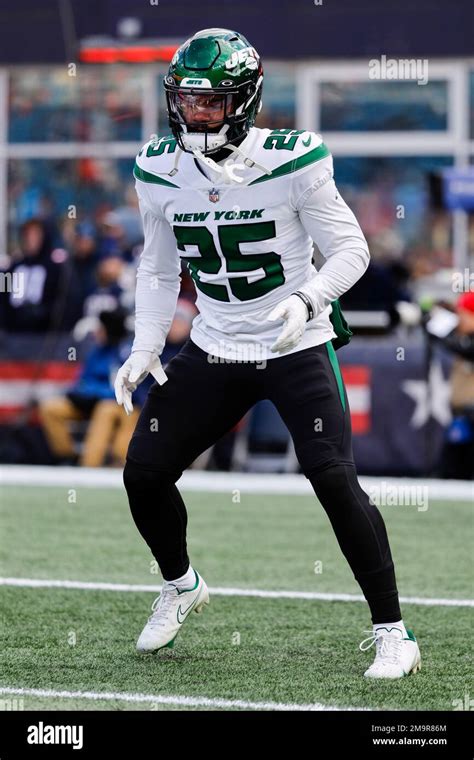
[(169, 611), (396, 656)]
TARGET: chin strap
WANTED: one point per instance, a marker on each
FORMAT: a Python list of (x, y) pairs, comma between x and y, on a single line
[(174, 170), (229, 169), (178, 155), (248, 161)]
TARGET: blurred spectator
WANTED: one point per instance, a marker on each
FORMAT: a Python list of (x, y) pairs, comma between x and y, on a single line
[(92, 398), (33, 300), (129, 219), (458, 456), (108, 290), (84, 258), (112, 239), (82, 264), (381, 288)]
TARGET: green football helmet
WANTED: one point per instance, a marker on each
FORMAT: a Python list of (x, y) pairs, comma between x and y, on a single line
[(213, 90)]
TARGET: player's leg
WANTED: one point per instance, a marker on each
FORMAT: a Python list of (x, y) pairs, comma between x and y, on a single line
[(310, 395), (200, 401)]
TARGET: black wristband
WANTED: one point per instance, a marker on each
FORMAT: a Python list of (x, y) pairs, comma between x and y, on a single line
[(307, 302)]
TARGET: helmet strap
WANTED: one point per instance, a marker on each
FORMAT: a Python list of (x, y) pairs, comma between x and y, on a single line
[(227, 172), (247, 161)]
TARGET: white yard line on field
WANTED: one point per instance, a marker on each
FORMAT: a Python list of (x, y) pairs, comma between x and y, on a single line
[(223, 482), (165, 699), (227, 591)]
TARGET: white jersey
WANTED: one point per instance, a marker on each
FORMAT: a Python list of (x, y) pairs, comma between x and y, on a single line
[(247, 246)]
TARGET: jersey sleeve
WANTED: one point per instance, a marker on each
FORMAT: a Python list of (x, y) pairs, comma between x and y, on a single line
[(158, 277), (330, 223)]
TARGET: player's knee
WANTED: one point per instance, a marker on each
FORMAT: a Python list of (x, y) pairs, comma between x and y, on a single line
[(338, 482), (340, 493), (329, 473), (140, 482)]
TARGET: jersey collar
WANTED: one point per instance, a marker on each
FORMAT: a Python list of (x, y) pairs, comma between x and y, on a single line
[(201, 177)]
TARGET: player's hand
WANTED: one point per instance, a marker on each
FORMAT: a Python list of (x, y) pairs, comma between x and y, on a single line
[(295, 314), (133, 372)]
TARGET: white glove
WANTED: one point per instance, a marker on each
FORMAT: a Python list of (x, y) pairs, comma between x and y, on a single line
[(295, 313), (133, 372)]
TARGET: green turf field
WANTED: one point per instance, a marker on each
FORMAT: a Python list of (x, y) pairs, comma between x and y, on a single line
[(258, 650)]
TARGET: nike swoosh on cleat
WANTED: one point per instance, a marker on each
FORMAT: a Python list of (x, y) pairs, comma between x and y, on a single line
[(306, 142), (184, 613)]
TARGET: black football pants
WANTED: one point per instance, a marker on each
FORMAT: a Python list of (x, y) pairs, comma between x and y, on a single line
[(206, 396)]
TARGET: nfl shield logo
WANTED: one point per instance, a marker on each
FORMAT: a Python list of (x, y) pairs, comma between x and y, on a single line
[(214, 195)]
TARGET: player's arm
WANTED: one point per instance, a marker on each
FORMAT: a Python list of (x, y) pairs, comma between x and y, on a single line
[(158, 283), (333, 227), (157, 289)]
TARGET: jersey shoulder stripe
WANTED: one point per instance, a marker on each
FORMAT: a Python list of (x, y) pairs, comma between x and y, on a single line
[(155, 161), (144, 176), (300, 146), (296, 163)]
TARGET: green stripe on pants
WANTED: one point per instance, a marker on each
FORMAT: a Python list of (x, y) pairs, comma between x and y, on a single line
[(337, 372)]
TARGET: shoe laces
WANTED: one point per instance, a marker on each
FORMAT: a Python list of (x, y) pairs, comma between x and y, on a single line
[(388, 645), (162, 605)]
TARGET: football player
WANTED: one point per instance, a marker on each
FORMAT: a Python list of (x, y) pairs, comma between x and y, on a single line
[(242, 207)]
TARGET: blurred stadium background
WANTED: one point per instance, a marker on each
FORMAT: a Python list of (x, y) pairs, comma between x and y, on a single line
[(80, 91)]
